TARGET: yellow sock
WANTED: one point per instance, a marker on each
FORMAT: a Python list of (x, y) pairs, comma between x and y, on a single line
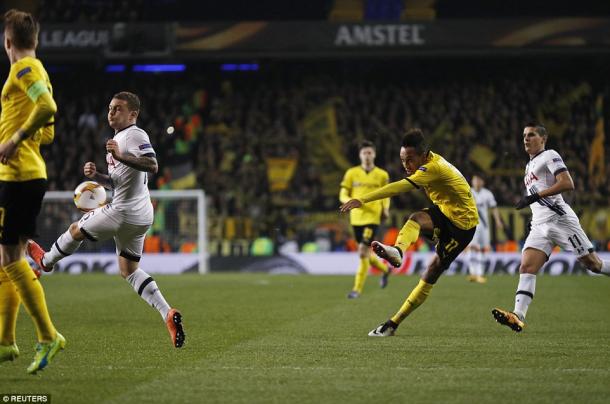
[(9, 307), (32, 295), (376, 262), (415, 299), (408, 235), (363, 271)]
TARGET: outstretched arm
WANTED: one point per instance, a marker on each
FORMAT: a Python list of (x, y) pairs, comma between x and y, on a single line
[(387, 191), (392, 189)]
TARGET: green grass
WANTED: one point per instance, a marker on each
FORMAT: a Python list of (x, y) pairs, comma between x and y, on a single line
[(287, 339)]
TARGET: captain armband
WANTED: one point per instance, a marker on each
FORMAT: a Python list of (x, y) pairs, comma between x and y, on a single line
[(37, 89)]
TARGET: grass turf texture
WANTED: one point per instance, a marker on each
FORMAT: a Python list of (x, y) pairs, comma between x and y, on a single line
[(261, 338)]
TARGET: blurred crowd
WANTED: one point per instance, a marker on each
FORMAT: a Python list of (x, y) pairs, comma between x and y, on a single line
[(216, 131), (91, 11), (100, 11), (110, 11)]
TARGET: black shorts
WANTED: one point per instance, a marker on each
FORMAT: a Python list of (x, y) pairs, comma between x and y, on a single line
[(450, 239), (20, 203), (365, 234)]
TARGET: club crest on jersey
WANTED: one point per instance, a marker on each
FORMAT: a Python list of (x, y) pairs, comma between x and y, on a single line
[(529, 179), (110, 161)]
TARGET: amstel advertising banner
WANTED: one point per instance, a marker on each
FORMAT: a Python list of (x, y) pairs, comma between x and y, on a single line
[(319, 37)]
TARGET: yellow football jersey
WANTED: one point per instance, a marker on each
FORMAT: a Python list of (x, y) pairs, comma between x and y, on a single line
[(26, 80), (448, 189), (357, 182)]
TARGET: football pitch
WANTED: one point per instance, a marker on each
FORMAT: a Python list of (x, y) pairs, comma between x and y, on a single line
[(254, 338)]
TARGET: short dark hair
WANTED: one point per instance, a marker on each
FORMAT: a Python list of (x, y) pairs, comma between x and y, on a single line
[(133, 101), (415, 138), (23, 28), (538, 128), (366, 143)]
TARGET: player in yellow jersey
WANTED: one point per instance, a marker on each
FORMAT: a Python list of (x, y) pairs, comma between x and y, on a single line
[(451, 220), (28, 111), (358, 181)]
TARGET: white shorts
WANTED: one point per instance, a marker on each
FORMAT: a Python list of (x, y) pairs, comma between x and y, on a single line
[(481, 237), (105, 222), (565, 232)]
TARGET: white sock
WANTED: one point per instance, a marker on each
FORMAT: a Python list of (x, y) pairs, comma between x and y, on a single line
[(472, 262), (64, 246), (147, 288), (605, 268), (525, 294), (480, 268)]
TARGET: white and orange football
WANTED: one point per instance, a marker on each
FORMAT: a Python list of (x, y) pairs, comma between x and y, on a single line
[(89, 195)]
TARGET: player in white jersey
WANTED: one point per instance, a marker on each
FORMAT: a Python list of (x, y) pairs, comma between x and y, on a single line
[(130, 158), (481, 242), (553, 223)]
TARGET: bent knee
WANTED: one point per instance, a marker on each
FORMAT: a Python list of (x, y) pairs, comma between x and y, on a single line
[(416, 216), (364, 251), (75, 232), (420, 217), (528, 269)]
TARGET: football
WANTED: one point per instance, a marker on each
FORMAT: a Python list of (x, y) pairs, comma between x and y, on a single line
[(89, 195)]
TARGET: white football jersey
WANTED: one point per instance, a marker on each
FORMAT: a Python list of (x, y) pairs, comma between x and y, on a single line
[(131, 197), (540, 174), (484, 200)]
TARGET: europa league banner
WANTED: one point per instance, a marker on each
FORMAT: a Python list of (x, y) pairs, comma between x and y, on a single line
[(314, 38), (259, 37)]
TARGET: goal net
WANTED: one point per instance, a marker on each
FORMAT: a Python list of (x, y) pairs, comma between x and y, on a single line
[(176, 242)]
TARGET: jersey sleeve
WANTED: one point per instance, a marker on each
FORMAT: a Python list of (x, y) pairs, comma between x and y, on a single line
[(139, 145), (30, 79), (346, 187), (424, 175), (347, 180), (555, 163)]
